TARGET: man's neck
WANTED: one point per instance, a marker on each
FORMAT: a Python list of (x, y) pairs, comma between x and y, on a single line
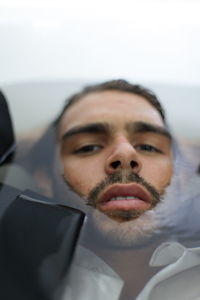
[(131, 264)]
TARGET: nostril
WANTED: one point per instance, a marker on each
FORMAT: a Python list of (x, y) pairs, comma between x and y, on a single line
[(133, 164), (115, 164)]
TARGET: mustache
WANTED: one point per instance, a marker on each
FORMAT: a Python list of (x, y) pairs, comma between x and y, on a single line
[(122, 177)]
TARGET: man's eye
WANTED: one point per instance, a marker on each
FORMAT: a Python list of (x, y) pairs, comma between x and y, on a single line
[(87, 149), (148, 148)]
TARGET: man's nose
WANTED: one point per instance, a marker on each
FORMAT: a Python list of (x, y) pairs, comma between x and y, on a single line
[(123, 156)]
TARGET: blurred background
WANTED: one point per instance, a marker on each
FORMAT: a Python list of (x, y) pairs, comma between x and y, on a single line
[(49, 49)]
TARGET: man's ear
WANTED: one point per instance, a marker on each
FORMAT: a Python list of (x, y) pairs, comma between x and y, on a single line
[(44, 182)]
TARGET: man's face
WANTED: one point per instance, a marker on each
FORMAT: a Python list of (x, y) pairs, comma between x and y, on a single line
[(116, 153)]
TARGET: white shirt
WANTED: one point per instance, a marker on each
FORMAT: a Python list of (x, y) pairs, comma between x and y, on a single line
[(92, 279)]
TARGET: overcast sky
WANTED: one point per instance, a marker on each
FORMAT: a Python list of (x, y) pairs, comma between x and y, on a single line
[(157, 41)]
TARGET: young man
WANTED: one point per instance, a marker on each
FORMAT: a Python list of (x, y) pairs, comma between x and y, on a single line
[(114, 151)]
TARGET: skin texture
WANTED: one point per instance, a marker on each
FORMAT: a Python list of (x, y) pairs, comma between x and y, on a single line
[(89, 158)]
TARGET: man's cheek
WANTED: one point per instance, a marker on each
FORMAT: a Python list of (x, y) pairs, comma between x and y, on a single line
[(161, 182), (153, 177), (76, 182)]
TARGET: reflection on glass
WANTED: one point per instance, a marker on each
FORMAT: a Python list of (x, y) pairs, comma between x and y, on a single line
[(111, 155)]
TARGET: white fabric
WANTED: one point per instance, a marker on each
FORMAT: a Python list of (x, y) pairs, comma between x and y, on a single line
[(92, 279), (179, 280)]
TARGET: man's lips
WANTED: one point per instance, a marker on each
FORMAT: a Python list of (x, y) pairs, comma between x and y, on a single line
[(124, 197)]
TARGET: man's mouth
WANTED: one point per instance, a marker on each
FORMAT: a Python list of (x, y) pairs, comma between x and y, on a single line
[(124, 197)]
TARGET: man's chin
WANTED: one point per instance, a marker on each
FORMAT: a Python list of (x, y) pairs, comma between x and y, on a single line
[(122, 216), (137, 231)]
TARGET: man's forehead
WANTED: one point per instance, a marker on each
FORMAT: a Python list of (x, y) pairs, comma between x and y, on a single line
[(110, 105), (114, 97)]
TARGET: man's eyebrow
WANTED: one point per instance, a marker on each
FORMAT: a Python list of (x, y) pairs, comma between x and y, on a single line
[(143, 127), (88, 128)]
